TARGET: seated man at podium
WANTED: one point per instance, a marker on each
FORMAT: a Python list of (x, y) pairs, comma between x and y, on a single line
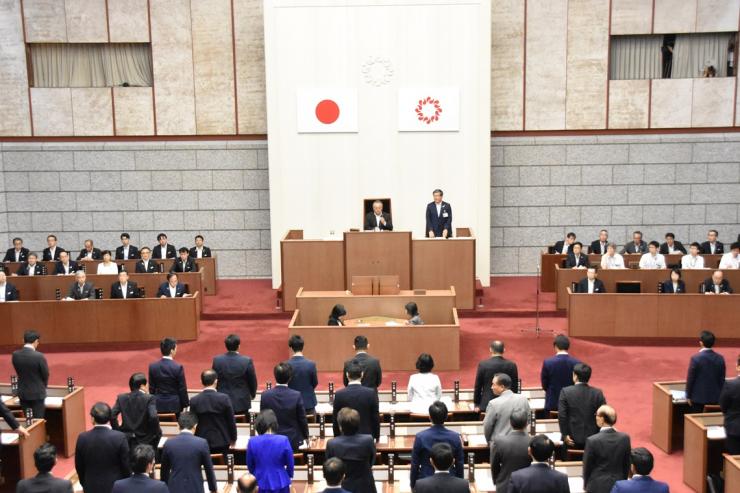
[(413, 312), (81, 289), (172, 288), (8, 292), (439, 217), (716, 284), (337, 313), (377, 220), (124, 289), (590, 284)]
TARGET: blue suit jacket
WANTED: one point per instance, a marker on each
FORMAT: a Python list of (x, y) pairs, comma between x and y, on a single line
[(438, 223), (290, 412), (164, 290), (421, 467), (538, 478), (270, 459), (237, 379), (73, 267), (706, 377), (11, 293), (304, 380), (642, 484), (167, 382), (139, 483), (557, 372), (182, 458)]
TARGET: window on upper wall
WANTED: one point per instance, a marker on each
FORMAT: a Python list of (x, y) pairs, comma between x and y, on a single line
[(90, 64), (672, 56)]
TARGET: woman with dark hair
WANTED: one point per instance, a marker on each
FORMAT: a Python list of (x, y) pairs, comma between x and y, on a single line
[(270, 456), (674, 285), (413, 312), (107, 266), (424, 386), (336, 315)]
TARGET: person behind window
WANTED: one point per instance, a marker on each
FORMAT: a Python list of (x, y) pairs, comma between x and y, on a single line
[(709, 71)]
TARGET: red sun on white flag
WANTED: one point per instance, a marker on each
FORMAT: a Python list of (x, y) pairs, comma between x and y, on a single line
[(326, 110), (429, 109)]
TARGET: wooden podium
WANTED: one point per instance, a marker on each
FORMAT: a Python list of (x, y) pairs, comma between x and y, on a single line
[(367, 253)]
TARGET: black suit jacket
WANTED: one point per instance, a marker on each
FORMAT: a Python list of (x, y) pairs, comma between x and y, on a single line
[(11, 293), (170, 253), (164, 290), (724, 286), (287, 404), (706, 377), (44, 483), (139, 418), (577, 412), (438, 223), (606, 460), (510, 453), (10, 255), (372, 374), (677, 245), (596, 247), (182, 459), (151, 267), (139, 483), (363, 400), (237, 379), (482, 393), (188, 266), (571, 261), (215, 418), (667, 287), (96, 255), (371, 223), (167, 383), (46, 254), (538, 478), (33, 374), (706, 248), (442, 483), (86, 292), (101, 458), (73, 267), (632, 248), (206, 252), (729, 401), (582, 286), (25, 268), (133, 253), (132, 290), (358, 455), (559, 247)]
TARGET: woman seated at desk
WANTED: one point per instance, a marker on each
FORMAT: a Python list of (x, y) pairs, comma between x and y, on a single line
[(413, 312), (107, 266), (674, 285), (337, 313)]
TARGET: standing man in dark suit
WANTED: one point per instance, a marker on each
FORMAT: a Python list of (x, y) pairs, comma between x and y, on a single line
[(182, 459), (33, 374), (89, 252), (8, 292), (101, 454), (487, 368), (511, 451), (65, 266), (362, 399), (557, 372), (606, 458), (287, 404), (717, 284), (138, 410), (126, 251), (377, 220), (442, 481), (706, 375), (599, 246), (146, 265), (439, 217), (729, 401), (712, 246), (18, 253), (372, 375), (641, 482), (124, 289), (421, 466), (45, 458), (334, 471), (81, 289), (671, 245), (305, 377), (636, 245), (590, 284), (172, 288), (32, 267), (577, 408), (167, 380), (184, 263), (142, 464), (163, 250), (215, 415), (576, 259), (564, 247), (356, 451), (200, 250), (674, 285), (52, 251), (236, 375), (538, 477)]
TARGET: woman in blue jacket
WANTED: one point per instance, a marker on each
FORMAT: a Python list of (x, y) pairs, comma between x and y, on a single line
[(270, 456)]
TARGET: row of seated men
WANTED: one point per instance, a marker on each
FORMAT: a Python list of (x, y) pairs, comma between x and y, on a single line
[(712, 246), (123, 288), (585, 420), (715, 284)]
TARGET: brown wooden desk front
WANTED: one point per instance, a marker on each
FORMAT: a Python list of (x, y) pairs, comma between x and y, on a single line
[(702, 455), (652, 315), (649, 279), (17, 453), (207, 265), (134, 320), (732, 472), (667, 425), (548, 261)]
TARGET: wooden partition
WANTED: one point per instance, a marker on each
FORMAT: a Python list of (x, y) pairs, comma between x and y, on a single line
[(732, 472), (648, 279), (702, 449), (652, 315), (370, 253), (17, 453), (667, 425), (74, 322)]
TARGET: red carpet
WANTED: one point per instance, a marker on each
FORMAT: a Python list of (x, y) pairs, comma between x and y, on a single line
[(624, 372)]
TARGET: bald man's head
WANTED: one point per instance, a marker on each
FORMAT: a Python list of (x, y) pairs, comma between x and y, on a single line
[(608, 414)]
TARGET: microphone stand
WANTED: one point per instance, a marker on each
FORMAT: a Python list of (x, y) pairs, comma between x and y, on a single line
[(537, 330)]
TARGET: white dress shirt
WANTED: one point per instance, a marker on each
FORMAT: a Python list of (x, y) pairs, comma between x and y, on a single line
[(111, 268), (729, 261), (591, 286), (173, 291), (439, 208), (66, 267), (675, 288), (198, 252), (689, 262), (124, 287), (146, 265), (377, 220), (125, 252), (52, 251), (2, 293), (31, 270), (612, 262), (424, 387), (650, 261), (712, 247)]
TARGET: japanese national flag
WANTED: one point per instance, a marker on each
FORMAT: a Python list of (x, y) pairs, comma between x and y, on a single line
[(326, 110), (429, 109)]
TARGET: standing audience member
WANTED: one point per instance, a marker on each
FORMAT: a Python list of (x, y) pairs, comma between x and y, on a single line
[(357, 452), (142, 464), (421, 453), (538, 477), (442, 481), (270, 455), (183, 456), (236, 375), (305, 376), (138, 410), (487, 368), (729, 401), (577, 408), (706, 374), (372, 375), (511, 451), (606, 458), (45, 458), (424, 387), (287, 404), (33, 374), (641, 482), (557, 372), (362, 399), (167, 380), (215, 415), (334, 471), (499, 410)]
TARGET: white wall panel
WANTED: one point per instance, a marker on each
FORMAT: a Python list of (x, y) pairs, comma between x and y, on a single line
[(507, 65), (709, 106), (671, 103), (632, 16), (128, 21), (717, 15), (675, 16), (250, 66), (45, 21), (92, 111), (15, 119), (133, 109), (52, 112), (629, 102), (86, 21)]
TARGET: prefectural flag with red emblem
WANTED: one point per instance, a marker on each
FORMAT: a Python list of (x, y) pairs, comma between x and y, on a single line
[(326, 110), (429, 109)]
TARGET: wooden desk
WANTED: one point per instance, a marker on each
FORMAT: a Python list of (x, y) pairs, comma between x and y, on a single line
[(667, 425), (75, 322), (65, 417), (206, 265), (652, 315), (649, 279), (732, 472), (17, 452), (548, 261), (702, 455), (370, 253)]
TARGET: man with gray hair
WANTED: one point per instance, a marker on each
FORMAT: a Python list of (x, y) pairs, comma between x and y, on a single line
[(377, 220), (81, 289), (606, 458), (499, 410)]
